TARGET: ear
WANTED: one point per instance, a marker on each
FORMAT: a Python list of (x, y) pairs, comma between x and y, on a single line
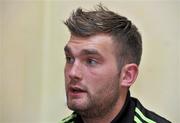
[(129, 74)]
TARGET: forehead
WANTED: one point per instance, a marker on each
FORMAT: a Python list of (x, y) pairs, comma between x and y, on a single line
[(101, 43)]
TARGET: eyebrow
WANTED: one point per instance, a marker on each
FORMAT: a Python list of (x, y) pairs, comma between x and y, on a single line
[(92, 51)]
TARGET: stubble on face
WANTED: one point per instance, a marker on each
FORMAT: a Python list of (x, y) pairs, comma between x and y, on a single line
[(97, 103), (102, 101), (102, 87)]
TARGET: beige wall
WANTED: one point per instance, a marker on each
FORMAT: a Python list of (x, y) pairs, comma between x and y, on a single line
[(32, 39), (21, 61), (1, 61)]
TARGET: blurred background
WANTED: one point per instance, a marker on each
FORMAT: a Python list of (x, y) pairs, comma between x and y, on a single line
[(32, 38)]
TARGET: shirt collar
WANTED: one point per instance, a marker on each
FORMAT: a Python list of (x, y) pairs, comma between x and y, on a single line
[(126, 115)]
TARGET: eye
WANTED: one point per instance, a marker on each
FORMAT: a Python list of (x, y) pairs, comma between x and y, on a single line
[(69, 60), (91, 62)]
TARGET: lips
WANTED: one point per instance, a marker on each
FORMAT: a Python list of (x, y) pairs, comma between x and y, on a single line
[(76, 91)]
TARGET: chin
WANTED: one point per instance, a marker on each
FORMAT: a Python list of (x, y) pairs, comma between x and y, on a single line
[(76, 106)]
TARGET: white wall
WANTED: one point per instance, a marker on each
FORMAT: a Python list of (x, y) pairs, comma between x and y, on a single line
[(32, 40)]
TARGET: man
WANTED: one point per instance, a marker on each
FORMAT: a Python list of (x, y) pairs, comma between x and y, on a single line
[(102, 59)]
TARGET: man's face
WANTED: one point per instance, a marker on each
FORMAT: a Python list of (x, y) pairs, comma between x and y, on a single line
[(91, 75)]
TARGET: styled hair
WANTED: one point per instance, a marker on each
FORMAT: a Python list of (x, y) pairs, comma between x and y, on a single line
[(128, 40)]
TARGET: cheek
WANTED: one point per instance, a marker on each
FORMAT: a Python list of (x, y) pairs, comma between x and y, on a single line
[(99, 83), (65, 69), (66, 72), (66, 78), (102, 75)]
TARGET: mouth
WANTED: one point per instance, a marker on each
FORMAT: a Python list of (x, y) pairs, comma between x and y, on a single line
[(75, 91)]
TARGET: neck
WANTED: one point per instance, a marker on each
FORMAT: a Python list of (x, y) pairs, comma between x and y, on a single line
[(109, 116)]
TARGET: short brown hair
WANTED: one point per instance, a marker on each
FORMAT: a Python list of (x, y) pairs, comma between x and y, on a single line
[(101, 20)]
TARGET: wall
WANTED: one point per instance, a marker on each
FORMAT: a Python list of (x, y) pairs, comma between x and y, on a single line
[(32, 60), (21, 82)]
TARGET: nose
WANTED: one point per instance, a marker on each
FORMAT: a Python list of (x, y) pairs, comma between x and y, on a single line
[(75, 71)]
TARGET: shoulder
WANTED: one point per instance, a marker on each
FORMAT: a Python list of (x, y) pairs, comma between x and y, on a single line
[(144, 115), (70, 119)]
